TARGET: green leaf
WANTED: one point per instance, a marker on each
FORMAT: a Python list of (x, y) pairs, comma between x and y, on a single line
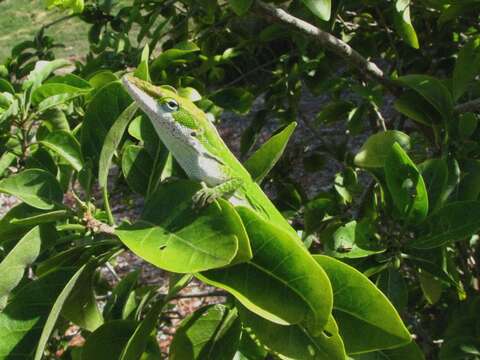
[(109, 340), (35, 187), (321, 8), (42, 159), (143, 72), (240, 7), (212, 332), (137, 344), (136, 167), (282, 282), (453, 222), (182, 52), (334, 111), (469, 187), (43, 69), (467, 124), (466, 67), (375, 150), (141, 128), (353, 240), (432, 90), (5, 86), (431, 287), (265, 158), (17, 261), (65, 145), (6, 160), (21, 322), (417, 109), (81, 306), (238, 100), (102, 112), (75, 6), (112, 140), (183, 240), (53, 89), (403, 23), (55, 312), (435, 174), (102, 78), (406, 185), (115, 307), (367, 320), (294, 342), (52, 120)]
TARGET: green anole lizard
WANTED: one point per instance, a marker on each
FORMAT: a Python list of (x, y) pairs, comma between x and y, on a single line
[(196, 145)]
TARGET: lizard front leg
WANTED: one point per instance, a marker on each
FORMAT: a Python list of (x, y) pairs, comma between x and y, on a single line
[(208, 195)]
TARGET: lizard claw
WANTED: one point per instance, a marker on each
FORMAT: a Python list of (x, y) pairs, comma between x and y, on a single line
[(204, 197)]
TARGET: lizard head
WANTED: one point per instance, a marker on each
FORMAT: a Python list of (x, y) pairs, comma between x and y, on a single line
[(184, 129), (169, 112)]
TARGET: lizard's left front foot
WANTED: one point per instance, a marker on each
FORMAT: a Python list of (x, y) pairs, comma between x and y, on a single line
[(204, 197)]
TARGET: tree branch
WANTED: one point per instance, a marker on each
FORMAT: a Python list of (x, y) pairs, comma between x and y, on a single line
[(331, 43), (470, 106)]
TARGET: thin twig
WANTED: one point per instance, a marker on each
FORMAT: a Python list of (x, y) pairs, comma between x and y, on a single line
[(201, 295), (332, 43), (470, 106)]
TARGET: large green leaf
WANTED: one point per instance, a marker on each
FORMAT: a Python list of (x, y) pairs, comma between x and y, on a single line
[(406, 185), (265, 158), (453, 222), (66, 146), (55, 312), (366, 318), (321, 8), (432, 90), (104, 109), (282, 282), (112, 140), (182, 240), (240, 7), (466, 67), (403, 23), (294, 342), (37, 188), (374, 151), (17, 260), (21, 322), (212, 332), (109, 340)]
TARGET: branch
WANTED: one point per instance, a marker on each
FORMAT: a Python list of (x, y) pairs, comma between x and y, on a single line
[(470, 106), (331, 43)]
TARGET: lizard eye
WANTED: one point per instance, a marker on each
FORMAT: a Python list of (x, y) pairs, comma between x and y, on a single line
[(170, 105)]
